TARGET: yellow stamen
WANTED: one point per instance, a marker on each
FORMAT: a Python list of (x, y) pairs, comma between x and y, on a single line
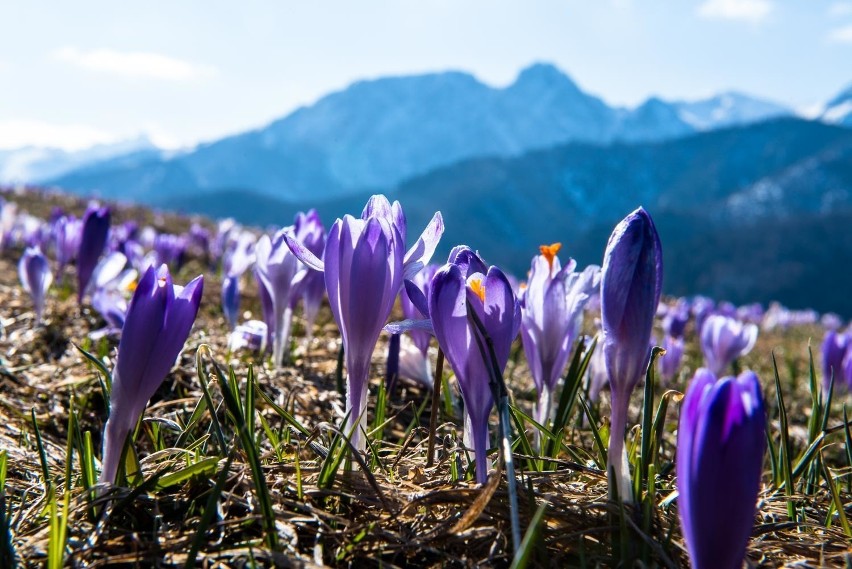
[(478, 288), (549, 252)]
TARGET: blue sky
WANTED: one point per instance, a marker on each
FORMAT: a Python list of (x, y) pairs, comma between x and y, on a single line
[(73, 74)]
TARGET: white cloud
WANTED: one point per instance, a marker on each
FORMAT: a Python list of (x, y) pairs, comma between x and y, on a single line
[(135, 64), (18, 133), (752, 11), (841, 35), (840, 9)]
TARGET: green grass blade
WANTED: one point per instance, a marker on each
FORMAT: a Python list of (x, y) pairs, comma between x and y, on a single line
[(848, 435), (58, 532), (600, 461), (204, 467), (7, 549), (42, 454), (647, 419), (838, 502), (568, 396), (204, 380), (523, 440), (526, 551), (107, 376), (784, 451), (233, 407), (207, 515)]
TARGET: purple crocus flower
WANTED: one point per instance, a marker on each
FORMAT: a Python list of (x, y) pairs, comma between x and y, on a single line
[(277, 270), (251, 335), (720, 446), (724, 339), (237, 260), (93, 239), (309, 230), (158, 322), (112, 306), (670, 361), (676, 318), (36, 277), (701, 308), (67, 233), (835, 347), (414, 364), (463, 284), (631, 280), (551, 316), (364, 262), (170, 249)]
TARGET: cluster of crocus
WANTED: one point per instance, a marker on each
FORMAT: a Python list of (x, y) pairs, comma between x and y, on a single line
[(720, 446), (364, 263), (552, 306), (159, 318), (36, 278), (724, 339), (463, 285), (631, 279)]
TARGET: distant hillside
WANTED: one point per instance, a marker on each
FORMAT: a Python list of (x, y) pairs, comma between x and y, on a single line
[(752, 213), (378, 133)]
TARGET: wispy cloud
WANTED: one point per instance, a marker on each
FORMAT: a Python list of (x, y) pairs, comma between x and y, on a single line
[(135, 64), (752, 11), (840, 9), (841, 35), (18, 133)]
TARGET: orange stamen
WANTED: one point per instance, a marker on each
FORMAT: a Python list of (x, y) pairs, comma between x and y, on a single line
[(549, 252), (478, 288)]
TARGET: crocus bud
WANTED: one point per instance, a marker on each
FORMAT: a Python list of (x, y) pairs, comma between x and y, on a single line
[(93, 239), (159, 318), (363, 274), (36, 277), (835, 346), (631, 279), (310, 231), (231, 300), (458, 286), (68, 232), (277, 270), (721, 441), (724, 339), (675, 320), (551, 315), (670, 361)]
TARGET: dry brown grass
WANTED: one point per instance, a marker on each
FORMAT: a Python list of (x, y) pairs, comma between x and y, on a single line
[(406, 514)]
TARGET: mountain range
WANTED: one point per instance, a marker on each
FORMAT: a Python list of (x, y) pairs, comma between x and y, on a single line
[(750, 213), (375, 134), (752, 203)]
